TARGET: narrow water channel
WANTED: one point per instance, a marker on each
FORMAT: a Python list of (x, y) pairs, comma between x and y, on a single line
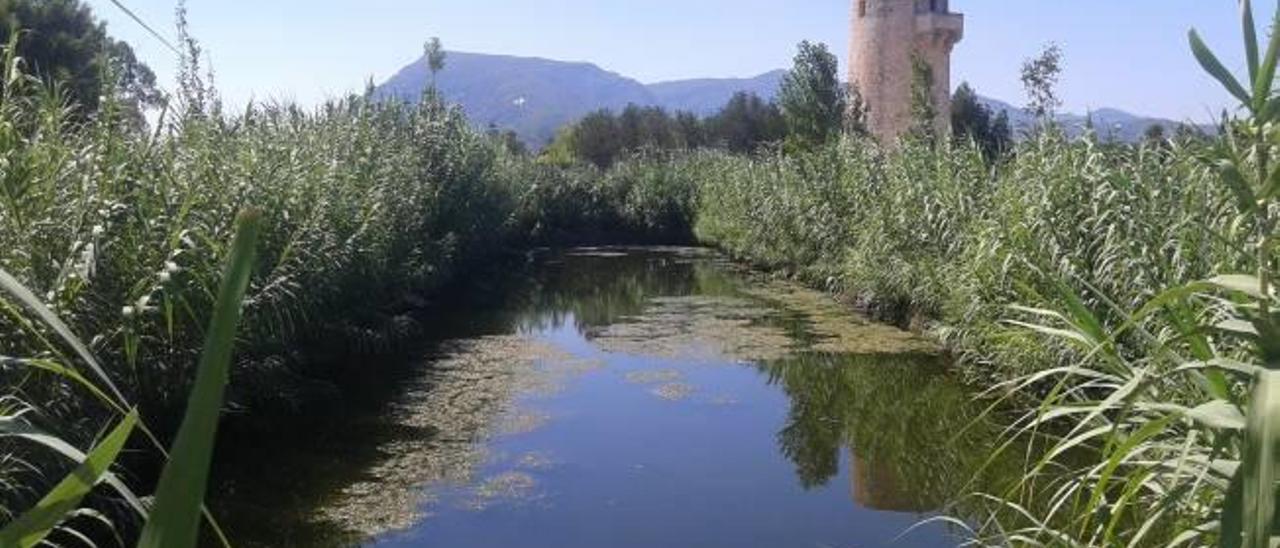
[(634, 398)]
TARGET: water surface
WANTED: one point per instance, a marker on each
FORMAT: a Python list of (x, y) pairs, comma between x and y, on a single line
[(634, 398)]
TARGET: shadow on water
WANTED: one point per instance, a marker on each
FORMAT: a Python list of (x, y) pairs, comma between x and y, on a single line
[(631, 397)]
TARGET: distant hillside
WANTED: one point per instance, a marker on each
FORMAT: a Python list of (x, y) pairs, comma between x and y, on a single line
[(707, 96), (536, 97), (1109, 123)]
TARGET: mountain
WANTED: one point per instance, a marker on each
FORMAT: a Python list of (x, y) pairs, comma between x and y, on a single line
[(536, 97), (707, 96), (1111, 124)]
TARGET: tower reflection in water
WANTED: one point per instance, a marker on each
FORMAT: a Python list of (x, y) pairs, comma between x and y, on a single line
[(898, 417)]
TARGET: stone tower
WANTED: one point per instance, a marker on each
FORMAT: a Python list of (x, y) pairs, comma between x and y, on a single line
[(887, 34)]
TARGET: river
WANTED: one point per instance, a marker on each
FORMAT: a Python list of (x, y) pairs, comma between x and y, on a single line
[(632, 397)]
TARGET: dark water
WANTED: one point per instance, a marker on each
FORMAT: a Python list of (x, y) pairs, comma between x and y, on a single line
[(657, 397)]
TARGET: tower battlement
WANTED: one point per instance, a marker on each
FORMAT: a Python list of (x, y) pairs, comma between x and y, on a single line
[(887, 35)]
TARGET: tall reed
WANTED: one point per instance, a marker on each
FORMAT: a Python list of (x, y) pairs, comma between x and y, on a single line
[(368, 209)]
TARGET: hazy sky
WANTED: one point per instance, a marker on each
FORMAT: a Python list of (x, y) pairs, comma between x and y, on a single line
[(1128, 54)]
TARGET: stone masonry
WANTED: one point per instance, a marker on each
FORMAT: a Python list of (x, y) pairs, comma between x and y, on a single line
[(887, 34)]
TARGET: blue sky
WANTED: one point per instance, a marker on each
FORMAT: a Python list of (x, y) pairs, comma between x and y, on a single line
[(1128, 54)]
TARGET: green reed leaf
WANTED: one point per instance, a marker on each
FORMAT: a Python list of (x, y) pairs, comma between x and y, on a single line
[(1215, 68), (1250, 37), (33, 526), (1264, 80), (1240, 283), (174, 523), (1262, 449), (12, 286), (1218, 414)]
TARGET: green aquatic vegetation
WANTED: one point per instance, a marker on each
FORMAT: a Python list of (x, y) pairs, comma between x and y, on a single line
[(674, 391), (468, 394)]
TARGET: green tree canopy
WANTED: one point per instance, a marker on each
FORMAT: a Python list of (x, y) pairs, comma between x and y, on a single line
[(746, 123), (62, 42), (972, 120), (1040, 77), (813, 98)]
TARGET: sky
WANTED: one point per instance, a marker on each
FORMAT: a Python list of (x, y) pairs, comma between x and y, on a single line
[(1126, 54)]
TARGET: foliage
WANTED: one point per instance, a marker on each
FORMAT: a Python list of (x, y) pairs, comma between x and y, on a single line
[(813, 98), (972, 120), (174, 519), (434, 54), (855, 120), (1040, 78), (366, 207), (60, 41), (745, 125), (924, 111), (1154, 133), (1152, 409)]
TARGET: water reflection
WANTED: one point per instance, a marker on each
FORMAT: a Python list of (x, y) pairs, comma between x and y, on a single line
[(599, 287), (898, 417), (680, 400)]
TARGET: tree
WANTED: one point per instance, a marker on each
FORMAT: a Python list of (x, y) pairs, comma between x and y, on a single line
[(61, 42), (690, 131), (972, 120), (1184, 133), (1154, 134), (1002, 132), (924, 113), (597, 139), (433, 52), (508, 139), (743, 126), (746, 123), (812, 98), (1040, 79)]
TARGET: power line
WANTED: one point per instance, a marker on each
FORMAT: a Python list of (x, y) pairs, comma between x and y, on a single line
[(144, 25)]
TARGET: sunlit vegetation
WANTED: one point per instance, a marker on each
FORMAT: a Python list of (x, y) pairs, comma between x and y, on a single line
[(367, 208), (1113, 301), (1098, 288)]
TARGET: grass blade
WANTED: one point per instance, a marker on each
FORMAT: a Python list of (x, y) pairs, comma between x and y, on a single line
[(175, 521), (1215, 68), (34, 525), (1263, 437), (1250, 37), (28, 299), (1265, 79)]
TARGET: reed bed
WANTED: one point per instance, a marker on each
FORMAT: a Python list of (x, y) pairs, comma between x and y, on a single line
[(368, 209), (1116, 302)]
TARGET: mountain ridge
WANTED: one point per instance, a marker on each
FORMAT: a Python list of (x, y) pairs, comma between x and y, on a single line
[(535, 97)]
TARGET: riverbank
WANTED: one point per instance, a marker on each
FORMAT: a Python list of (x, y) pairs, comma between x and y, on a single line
[(623, 375), (1034, 269)]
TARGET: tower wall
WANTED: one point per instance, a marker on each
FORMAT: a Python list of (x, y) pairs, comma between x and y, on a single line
[(886, 35)]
